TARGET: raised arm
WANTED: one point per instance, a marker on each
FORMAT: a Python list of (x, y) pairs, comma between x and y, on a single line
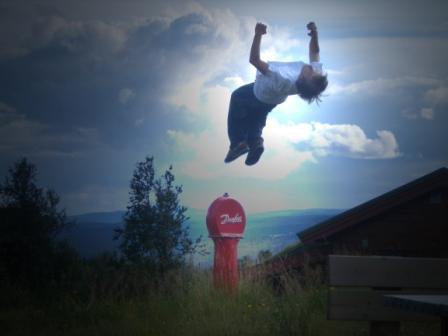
[(260, 29), (314, 42)]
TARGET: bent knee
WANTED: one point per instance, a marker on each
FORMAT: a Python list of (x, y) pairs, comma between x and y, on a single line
[(235, 94)]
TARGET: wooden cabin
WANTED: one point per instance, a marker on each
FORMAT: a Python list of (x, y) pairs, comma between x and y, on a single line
[(411, 221)]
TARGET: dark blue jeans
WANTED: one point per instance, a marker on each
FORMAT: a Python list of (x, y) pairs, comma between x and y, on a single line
[(247, 116)]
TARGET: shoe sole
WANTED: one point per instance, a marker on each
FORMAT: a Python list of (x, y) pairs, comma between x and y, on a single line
[(236, 157), (254, 156)]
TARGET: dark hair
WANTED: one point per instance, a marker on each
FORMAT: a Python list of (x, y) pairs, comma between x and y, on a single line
[(311, 89)]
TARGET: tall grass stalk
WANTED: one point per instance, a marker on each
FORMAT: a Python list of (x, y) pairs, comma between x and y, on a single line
[(185, 303)]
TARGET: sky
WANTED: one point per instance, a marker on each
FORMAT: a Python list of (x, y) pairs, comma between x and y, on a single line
[(90, 88)]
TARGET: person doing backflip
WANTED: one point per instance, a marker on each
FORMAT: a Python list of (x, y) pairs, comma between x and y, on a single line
[(274, 82)]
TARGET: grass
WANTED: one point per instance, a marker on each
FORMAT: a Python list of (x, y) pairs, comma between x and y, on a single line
[(186, 303)]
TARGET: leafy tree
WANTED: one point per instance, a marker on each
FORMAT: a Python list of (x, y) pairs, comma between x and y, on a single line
[(264, 255), (245, 262), (29, 224), (155, 234)]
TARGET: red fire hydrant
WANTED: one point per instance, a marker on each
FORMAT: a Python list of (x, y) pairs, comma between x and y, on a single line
[(225, 222)]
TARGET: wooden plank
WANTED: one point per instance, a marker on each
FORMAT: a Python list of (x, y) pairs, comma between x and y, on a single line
[(396, 272), (422, 303), (383, 328), (367, 305)]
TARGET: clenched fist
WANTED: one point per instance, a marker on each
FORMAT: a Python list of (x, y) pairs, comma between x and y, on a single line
[(311, 26), (260, 29)]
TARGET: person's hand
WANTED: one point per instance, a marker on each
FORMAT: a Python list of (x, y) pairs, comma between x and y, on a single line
[(260, 29), (311, 26)]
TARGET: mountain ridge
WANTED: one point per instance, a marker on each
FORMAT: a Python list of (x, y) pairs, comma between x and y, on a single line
[(93, 232)]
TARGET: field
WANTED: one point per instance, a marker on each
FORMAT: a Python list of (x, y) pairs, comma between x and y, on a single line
[(185, 303)]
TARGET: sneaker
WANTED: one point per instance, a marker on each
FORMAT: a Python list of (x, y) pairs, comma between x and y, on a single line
[(236, 152), (255, 153)]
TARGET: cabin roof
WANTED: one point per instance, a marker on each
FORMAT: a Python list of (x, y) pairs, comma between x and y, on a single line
[(425, 184)]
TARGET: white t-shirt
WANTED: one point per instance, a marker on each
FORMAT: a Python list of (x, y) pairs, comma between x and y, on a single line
[(279, 81)]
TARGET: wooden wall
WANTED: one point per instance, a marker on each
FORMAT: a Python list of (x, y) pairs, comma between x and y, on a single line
[(418, 228)]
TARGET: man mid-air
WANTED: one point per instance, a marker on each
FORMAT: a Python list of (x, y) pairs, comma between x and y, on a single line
[(275, 81)]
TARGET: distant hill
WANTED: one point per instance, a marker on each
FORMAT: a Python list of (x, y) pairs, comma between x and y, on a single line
[(100, 217), (93, 232)]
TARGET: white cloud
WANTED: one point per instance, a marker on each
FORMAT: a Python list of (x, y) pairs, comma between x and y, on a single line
[(432, 92), (287, 146), (206, 155), (432, 98), (427, 113), (233, 81), (16, 131), (338, 140), (125, 95), (97, 39), (31, 138), (227, 50), (205, 151), (410, 114), (424, 113), (93, 37), (94, 198), (189, 95), (277, 43), (382, 86), (437, 96), (7, 114)]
